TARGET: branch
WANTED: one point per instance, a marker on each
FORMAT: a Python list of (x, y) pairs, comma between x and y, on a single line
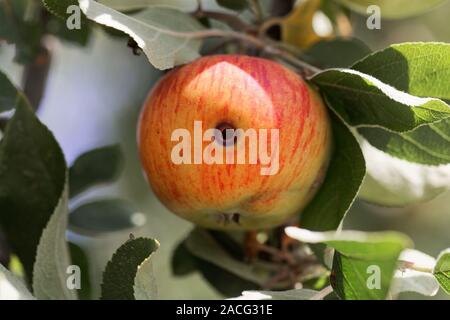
[(269, 48)]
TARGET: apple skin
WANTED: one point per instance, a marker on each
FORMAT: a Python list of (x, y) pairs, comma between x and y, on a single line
[(248, 92)]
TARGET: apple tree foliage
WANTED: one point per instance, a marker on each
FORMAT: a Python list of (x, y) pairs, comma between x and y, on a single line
[(386, 107)]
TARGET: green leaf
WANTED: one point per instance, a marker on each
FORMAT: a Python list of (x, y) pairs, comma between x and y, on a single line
[(130, 5), (128, 274), (32, 177), (362, 100), (52, 257), (237, 5), (59, 7), (337, 52), (57, 26), (202, 245), (345, 174), (107, 215), (79, 258), (228, 284), (94, 167), (182, 262), (442, 270), (393, 9), (359, 259), (11, 287), (19, 29), (429, 144), (421, 69), (295, 294), (9, 96), (397, 183), (167, 36)]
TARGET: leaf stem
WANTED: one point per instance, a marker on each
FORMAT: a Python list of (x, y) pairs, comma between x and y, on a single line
[(322, 293)]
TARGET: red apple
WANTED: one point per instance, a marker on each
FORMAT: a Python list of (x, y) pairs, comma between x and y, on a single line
[(240, 92)]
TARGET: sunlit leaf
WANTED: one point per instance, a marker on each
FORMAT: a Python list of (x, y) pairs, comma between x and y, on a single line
[(167, 36), (442, 270), (128, 275), (362, 100), (364, 263)]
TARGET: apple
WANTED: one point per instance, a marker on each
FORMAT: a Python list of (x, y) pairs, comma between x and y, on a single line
[(181, 151)]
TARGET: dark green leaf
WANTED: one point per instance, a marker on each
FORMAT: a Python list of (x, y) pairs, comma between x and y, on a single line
[(80, 259), (16, 28), (105, 216), (183, 262), (226, 283), (204, 246), (11, 18), (429, 145), (127, 271), (421, 69), (94, 167), (442, 270), (132, 6), (362, 100), (59, 7), (52, 256), (337, 53), (58, 28), (340, 187), (9, 96), (237, 5), (57, 25), (32, 177)]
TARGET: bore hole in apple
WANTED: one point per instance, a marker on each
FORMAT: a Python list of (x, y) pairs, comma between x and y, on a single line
[(227, 136)]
